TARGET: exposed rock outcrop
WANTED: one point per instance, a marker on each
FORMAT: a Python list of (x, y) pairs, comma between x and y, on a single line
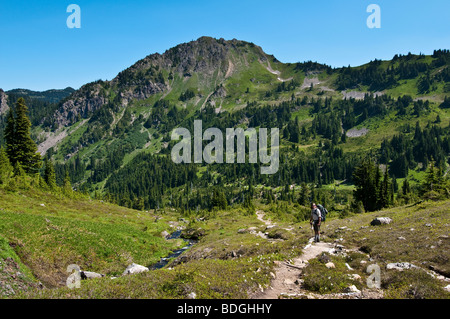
[(82, 103), (210, 58), (3, 102)]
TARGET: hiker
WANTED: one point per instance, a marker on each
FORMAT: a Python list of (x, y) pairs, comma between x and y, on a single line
[(315, 220)]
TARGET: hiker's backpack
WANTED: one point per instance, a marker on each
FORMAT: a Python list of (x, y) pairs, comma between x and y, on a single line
[(323, 212)]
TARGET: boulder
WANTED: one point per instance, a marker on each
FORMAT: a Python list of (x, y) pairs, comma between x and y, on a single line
[(354, 276), (134, 269), (330, 265), (192, 295), (90, 275), (400, 266), (381, 221), (352, 289), (165, 234)]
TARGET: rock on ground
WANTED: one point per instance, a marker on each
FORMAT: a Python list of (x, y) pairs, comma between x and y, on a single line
[(381, 221), (134, 269), (400, 266), (90, 275)]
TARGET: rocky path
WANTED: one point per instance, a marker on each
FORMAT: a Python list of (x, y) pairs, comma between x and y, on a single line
[(260, 215), (286, 280), (286, 276)]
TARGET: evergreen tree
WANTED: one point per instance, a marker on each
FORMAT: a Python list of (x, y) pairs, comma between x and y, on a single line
[(384, 197), (219, 199), (67, 186), (435, 185), (438, 119), (372, 190), (364, 178), (406, 188), (19, 145), (18, 170), (430, 182), (49, 174)]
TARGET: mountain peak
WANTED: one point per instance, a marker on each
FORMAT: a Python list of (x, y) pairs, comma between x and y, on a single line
[(210, 61), (204, 54)]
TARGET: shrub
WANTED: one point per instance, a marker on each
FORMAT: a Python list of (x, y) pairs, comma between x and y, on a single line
[(318, 278), (412, 284)]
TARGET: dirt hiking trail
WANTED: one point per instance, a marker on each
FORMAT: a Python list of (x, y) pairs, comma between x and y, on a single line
[(287, 274), (287, 280)]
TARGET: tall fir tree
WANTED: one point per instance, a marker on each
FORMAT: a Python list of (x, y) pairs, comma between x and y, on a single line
[(20, 146), (372, 190), (436, 184), (365, 179), (385, 191), (49, 174), (406, 188)]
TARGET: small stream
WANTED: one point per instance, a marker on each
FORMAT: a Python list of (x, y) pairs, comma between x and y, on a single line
[(165, 260)]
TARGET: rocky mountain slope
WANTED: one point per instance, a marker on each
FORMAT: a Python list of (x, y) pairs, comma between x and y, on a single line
[(208, 60), (3, 102), (102, 127)]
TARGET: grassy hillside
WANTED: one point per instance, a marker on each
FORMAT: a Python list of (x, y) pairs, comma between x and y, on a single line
[(48, 232), (42, 233)]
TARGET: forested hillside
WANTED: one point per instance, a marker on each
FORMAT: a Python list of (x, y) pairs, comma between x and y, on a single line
[(112, 139)]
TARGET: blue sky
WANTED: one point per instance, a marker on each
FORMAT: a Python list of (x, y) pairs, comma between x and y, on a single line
[(38, 51)]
